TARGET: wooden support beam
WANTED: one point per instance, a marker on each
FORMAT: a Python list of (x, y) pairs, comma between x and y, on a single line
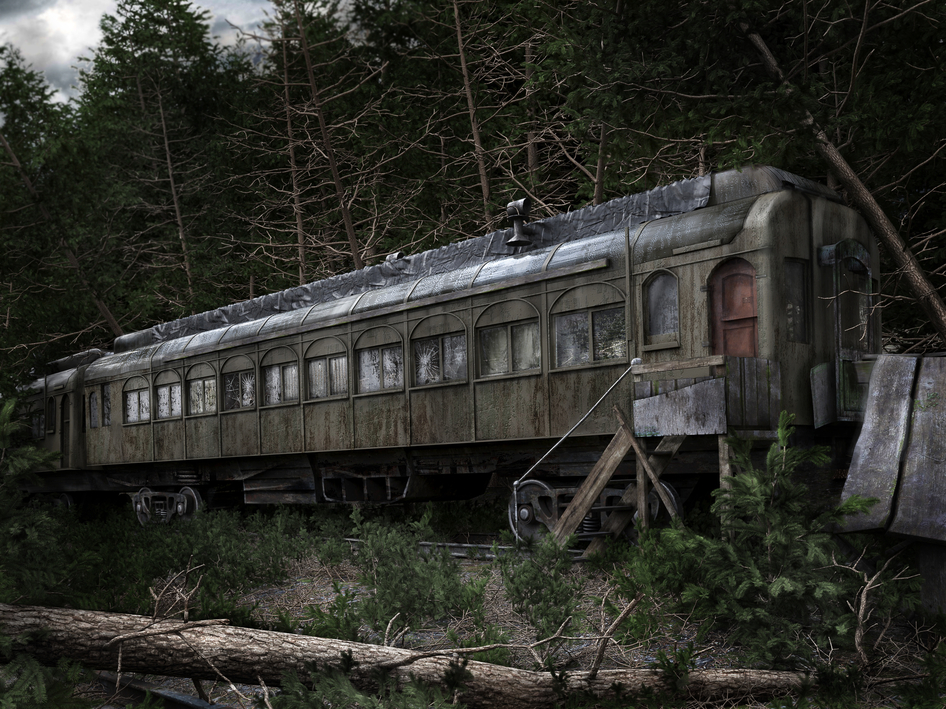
[(616, 522), (593, 485), (642, 459)]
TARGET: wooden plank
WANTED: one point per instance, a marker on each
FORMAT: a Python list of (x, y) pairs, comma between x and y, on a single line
[(920, 510), (593, 485), (712, 361), (616, 522), (750, 380), (774, 372), (875, 465), (644, 461), (734, 392), (693, 410)]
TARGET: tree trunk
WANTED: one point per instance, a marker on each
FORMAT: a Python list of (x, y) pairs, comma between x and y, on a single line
[(863, 200), (70, 255), (329, 152), (213, 650)]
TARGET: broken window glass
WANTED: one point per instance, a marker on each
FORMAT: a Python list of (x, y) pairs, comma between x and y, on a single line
[(427, 361), (93, 410), (608, 332), (106, 404), (239, 390), (526, 353), (454, 357), (571, 339), (494, 351)]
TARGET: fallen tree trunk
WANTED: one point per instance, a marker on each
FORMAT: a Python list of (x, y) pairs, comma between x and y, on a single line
[(214, 650)]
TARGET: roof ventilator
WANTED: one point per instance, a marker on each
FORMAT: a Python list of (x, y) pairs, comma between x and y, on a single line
[(518, 213)]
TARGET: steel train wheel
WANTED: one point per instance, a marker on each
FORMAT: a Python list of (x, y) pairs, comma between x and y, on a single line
[(142, 506), (192, 503), (530, 514)]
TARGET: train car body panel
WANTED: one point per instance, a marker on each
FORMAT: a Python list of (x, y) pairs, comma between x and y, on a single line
[(422, 376)]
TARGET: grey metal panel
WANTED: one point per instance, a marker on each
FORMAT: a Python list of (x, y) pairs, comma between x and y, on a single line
[(577, 252), (59, 380), (921, 500), (824, 396), (875, 464), (722, 223), (693, 410), (383, 297), (205, 339), (170, 350), (242, 331), (330, 310), (509, 268), (284, 321), (756, 180), (441, 283)]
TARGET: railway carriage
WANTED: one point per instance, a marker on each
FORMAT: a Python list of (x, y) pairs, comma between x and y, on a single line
[(701, 310)]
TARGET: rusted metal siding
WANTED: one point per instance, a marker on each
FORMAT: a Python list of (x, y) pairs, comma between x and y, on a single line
[(328, 425), (575, 391), (239, 433), (168, 440), (381, 420), (202, 434), (136, 442), (442, 414), (281, 429), (511, 408)]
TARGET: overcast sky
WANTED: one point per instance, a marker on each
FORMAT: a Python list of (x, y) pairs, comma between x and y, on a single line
[(52, 34)]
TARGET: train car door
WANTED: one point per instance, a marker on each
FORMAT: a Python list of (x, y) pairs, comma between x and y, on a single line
[(734, 312)]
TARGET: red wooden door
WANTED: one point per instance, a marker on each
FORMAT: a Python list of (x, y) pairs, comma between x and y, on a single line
[(735, 321)]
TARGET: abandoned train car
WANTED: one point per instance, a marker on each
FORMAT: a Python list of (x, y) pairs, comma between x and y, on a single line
[(723, 300)]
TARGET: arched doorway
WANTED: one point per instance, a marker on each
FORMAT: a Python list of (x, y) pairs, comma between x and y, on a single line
[(733, 310)]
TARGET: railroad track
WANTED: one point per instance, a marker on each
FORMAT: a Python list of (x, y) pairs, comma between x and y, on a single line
[(134, 691)]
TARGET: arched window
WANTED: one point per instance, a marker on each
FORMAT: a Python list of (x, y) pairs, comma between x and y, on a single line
[(137, 400), (380, 360), (588, 325), (280, 369), (201, 390), (167, 391), (93, 409), (326, 363), (239, 384), (438, 350), (507, 337), (50, 415), (660, 305)]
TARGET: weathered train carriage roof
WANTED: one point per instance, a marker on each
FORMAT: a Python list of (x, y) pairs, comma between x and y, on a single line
[(449, 262)]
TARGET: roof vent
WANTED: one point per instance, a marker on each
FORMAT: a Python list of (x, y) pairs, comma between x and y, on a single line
[(518, 213)]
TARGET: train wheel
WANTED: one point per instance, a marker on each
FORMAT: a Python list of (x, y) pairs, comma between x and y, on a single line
[(191, 503), (657, 511), (531, 514), (142, 505)]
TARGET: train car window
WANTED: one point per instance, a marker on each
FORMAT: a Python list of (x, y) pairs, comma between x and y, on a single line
[(50, 415), (201, 390), (239, 390), (796, 300), (280, 370), (854, 304), (439, 359), (106, 405), (39, 424), (589, 336), (93, 409), (509, 348), (137, 399), (281, 383), (167, 391), (380, 368), (661, 310), (328, 376)]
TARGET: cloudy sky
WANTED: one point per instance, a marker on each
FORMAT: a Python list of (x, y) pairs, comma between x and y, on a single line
[(52, 34)]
